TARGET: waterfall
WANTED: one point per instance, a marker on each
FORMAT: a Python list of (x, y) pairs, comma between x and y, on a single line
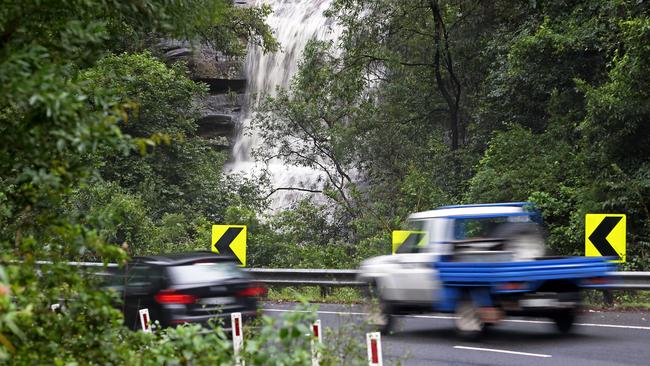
[(294, 23)]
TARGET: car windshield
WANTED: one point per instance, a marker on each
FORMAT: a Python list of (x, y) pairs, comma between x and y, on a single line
[(203, 272)]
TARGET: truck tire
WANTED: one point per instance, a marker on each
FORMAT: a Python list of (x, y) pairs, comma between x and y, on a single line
[(468, 322), (564, 320)]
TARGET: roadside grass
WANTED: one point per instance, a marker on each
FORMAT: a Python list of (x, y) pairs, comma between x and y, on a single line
[(621, 300), (594, 299), (337, 295)]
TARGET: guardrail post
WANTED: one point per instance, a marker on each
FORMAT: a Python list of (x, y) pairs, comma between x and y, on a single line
[(325, 291), (608, 297)]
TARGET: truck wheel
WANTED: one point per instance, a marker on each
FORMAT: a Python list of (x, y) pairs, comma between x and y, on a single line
[(468, 322), (564, 320)]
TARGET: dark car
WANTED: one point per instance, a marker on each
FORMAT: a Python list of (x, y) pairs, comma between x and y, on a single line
[(185, 288)]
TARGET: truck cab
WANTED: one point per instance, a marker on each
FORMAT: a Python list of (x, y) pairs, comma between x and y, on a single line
[(465, 232)]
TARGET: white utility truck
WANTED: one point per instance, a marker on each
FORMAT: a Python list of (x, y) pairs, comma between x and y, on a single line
[(481, 262)]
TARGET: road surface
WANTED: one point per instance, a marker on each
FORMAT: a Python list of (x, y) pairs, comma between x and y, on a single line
[(601, 338)]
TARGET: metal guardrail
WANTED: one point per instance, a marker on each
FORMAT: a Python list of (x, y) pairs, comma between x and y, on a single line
[(630, 281), (348, 277), (306, 277)]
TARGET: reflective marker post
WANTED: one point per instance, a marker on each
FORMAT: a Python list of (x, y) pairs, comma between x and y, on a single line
[(317, 336), (237, 336), (374, 349), (145, 320)]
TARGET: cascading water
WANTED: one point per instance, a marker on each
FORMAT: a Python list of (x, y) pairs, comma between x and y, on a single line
[(294, 23)]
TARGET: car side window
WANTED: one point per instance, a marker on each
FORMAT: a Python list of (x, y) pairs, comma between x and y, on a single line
[(142, 279)]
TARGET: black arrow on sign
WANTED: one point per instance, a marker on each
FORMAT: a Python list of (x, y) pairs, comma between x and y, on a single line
[(223, 244), (599, 236)]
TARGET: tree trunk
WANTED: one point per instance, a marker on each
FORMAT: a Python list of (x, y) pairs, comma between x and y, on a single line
[(448, 86)]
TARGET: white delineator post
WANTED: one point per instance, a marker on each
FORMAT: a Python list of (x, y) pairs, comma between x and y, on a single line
[(145, 320), (237, 335), (317, 336), (374, 349)]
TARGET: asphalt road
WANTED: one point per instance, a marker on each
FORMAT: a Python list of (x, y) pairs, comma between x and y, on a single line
[(600, 338)]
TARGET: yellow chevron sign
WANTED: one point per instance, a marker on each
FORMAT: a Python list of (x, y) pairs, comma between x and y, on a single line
[(230, 240), (605, 236), (412, 238)]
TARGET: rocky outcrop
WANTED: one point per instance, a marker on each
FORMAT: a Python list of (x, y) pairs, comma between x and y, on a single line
[(224, 76)]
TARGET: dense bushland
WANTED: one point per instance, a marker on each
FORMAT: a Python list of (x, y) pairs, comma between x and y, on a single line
[(425, 103), (90, 123)]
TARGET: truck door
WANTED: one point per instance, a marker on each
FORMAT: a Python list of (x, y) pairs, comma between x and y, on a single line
[(416, 279)]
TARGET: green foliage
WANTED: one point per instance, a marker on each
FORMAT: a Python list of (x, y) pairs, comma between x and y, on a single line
[(303, 237), (64, 116), (338, 295), (551, 105), (517, 163), (171, 175), (165, 198), (230, 25), (576, 81), (186, 345)]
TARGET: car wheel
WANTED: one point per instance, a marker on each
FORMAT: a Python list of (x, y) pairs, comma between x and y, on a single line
[(468, 322), (564, 320)]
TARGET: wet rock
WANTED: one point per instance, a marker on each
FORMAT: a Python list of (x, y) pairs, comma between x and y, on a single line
[(178, 53), (223, 86), (224, 75), (214, 125)]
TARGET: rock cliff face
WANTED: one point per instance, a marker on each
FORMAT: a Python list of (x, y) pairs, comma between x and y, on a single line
[(221, 108)]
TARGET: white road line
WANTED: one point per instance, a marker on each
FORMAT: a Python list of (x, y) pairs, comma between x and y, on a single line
[(503, 351), (353, 313), (637, 327), (613, 326), (319, 312)]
